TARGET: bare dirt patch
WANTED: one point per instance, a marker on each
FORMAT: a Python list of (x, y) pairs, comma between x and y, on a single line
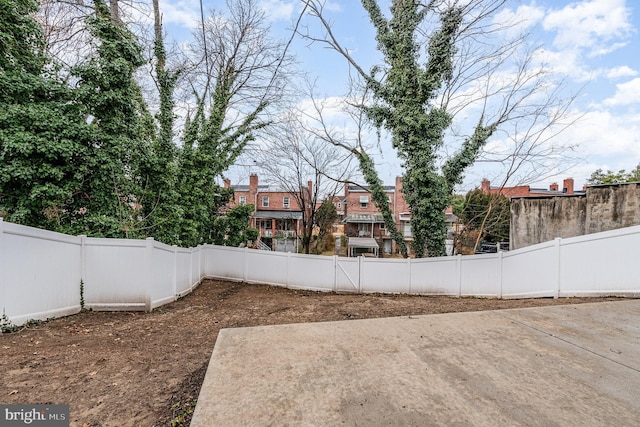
[(146, 369)]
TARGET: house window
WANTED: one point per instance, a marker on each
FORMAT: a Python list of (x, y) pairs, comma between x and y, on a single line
[(265, 201), (339, 205), (285, 202), (382, 226), (363, 230), (364, 201), (243, 200)]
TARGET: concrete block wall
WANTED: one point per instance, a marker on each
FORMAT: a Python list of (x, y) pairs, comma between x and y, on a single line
[(604, 207)]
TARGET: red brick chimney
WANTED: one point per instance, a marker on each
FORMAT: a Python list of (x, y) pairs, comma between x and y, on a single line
[(553, 187), (567, 186), (227, 183), (486, 185)]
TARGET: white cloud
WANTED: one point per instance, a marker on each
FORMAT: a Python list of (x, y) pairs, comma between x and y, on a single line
[(276, 10), (626, 94), (590, 25), (520, 20), (185, 13), (601, 134), (567, 63), (622, 71)]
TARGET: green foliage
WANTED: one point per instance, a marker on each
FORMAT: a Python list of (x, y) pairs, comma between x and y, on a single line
[(487, 213), (610, 177), (43, 138), (405, 106), (120, 129), (92, 160), (232, 229)]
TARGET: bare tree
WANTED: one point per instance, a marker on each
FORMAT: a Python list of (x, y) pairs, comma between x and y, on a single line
[(292, 156), (444, 90), (355, 138), (236, 52)]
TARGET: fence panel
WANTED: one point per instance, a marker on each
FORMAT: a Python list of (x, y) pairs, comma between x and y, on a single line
[(313, 272), (222, 261), (184, 280), (116, 274), (266, 267), (530, 272), (41, 273), (480, 275), (385, 275), (436, 276), (601, 264), (163, 274)]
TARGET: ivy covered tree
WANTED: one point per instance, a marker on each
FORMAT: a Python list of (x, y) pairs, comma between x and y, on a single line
[(121, 125), (437, 60), (44, 141)]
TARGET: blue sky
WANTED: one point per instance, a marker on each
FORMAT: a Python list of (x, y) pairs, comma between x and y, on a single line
[(592, 44)]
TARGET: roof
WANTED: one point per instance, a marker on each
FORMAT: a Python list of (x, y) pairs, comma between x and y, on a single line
[(363, 242), (245, 187), (364, 218), (278, 214), (365, 188)]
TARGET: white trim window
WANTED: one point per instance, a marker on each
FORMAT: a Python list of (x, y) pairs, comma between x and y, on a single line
[(364, 201), (265, 201), (286, 202), (243, 200)]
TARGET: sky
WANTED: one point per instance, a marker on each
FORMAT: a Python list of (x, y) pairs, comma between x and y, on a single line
[(593, 46)]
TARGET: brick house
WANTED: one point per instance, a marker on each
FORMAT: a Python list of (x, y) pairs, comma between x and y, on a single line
[(277, 215), (362, 218), (527, 191)]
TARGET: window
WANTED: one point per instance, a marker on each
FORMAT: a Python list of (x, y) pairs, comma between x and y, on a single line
[(339, 205), (265, 201), (243, 200), (285, 202), (364, 201), (382, 226)]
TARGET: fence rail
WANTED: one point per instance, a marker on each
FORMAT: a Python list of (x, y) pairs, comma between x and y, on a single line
[(41, 271)]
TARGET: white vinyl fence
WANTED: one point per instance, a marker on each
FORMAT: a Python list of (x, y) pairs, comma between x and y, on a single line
[(41, 271)]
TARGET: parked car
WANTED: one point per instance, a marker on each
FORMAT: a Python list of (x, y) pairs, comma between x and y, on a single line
[(492, 248)]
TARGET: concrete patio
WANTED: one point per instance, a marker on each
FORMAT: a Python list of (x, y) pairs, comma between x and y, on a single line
[(563, 365)]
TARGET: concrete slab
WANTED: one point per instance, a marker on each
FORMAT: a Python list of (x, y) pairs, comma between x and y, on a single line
[(563, 365)]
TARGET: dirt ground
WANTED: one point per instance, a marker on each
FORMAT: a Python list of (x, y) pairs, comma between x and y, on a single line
[(145, 369)]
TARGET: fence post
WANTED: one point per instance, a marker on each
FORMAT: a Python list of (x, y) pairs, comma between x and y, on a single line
[(360, 274), (409, 268), (149, 270), (175, 271), (335, 273), (288, 269), (501, 272), (3, 267), (83, 265), (459, 274), (245, 269), (556, 243)]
